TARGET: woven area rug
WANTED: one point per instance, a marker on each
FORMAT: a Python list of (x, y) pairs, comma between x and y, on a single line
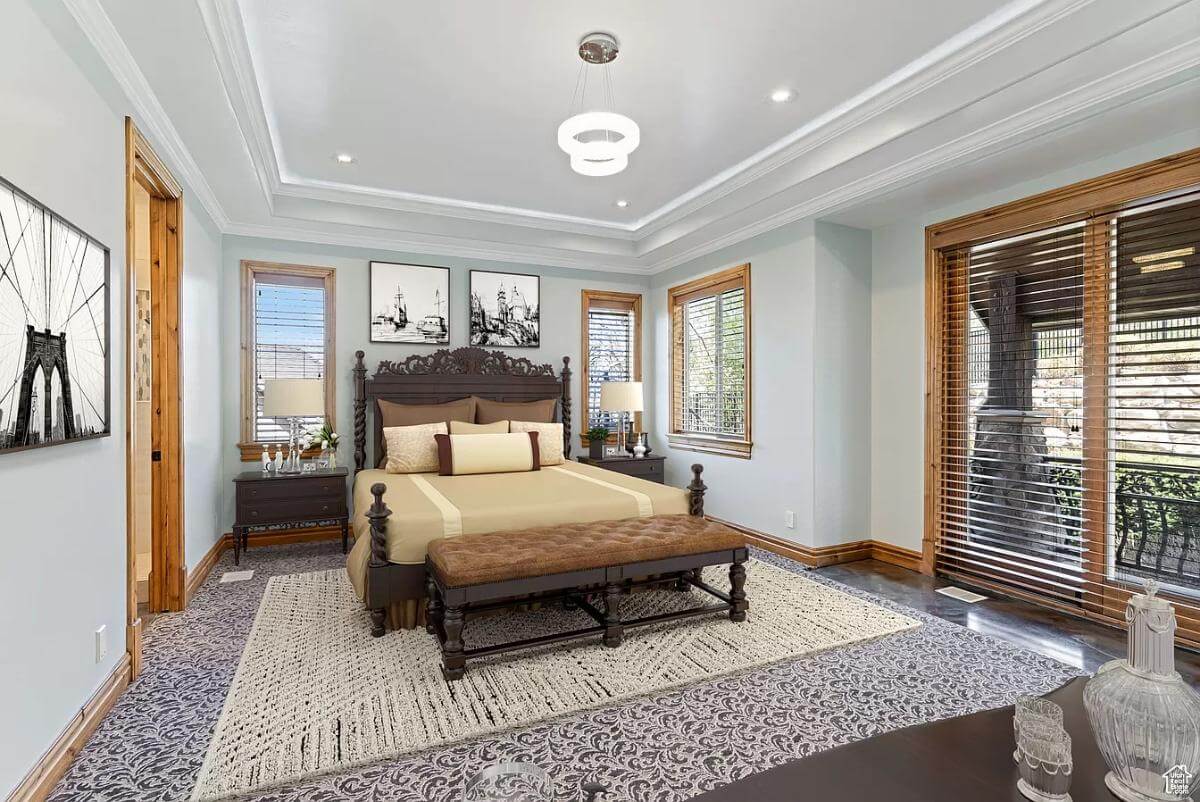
[(315, 693)]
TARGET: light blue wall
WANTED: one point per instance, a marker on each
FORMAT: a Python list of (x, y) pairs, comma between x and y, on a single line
[(63, 576), (560, 322)]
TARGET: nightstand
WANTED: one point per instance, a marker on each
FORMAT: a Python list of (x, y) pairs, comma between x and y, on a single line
[(288, 498), (649, 468)]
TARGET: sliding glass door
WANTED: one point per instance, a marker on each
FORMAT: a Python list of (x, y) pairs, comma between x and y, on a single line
[(1065, 408)]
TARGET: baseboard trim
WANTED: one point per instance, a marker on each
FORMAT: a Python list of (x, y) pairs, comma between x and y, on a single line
[(823, 556), (40, 780), (203, 568)]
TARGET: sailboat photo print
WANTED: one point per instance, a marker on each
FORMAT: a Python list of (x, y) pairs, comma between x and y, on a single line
[(410, 303)]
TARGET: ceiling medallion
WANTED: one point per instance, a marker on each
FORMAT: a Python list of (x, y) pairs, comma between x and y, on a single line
[(599, 142)]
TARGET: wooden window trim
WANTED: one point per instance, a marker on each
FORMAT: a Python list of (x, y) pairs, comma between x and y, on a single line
[(705, 286), (248, 447), (594, 299), (1098, 197)]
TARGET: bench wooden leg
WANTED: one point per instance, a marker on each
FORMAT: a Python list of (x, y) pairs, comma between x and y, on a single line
[(433, 606), (453, 660), (737, 593), (378, 616), (613, 631)]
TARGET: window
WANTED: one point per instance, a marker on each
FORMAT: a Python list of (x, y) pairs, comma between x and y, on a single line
[(287, 333), (1063, 425), (710, 363), (612, 352)]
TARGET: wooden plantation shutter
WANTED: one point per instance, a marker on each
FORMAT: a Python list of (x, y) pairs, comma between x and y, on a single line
[(1064, 395), (611, 347), (710, 388), (287, 334)]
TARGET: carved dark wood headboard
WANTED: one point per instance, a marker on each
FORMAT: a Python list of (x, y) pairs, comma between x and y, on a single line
[(447, 375)]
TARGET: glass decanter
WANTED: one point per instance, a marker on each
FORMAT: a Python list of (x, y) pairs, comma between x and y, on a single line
[(1145, 717)]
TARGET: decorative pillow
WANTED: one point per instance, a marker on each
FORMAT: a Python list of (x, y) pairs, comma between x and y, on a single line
[(550, 439), (460, 454), (462, 427), (488, 411), (412, 449), (393, 414)]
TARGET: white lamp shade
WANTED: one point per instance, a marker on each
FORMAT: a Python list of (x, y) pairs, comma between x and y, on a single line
[(621, 396), (293, 398)]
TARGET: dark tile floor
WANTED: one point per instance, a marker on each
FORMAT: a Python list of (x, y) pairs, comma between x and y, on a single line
[(1074, 641)]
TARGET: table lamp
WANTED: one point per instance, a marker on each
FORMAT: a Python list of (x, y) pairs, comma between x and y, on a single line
[(623, 397), (294, 399)]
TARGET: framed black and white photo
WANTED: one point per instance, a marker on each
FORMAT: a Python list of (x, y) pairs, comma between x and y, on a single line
[(54, 322), (505, 309), (410, 303)]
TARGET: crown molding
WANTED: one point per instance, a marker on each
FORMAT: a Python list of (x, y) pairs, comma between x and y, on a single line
[(151, 118), (442, 246), (357, 195), (1001, 29), (1122, 87), (231, 50)]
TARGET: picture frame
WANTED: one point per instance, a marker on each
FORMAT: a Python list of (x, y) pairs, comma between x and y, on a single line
[(55, 343), (409, 303), (505, 309)]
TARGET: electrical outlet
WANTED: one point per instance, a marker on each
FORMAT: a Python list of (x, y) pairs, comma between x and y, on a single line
[(789, 519), (101, 643)]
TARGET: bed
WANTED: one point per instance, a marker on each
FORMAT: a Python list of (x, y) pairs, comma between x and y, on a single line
[(396, 515)]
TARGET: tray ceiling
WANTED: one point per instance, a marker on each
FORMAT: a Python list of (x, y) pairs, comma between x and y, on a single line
[(450, 109)]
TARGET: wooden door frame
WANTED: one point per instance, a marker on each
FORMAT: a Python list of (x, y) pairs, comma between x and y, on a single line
[(144, 168)]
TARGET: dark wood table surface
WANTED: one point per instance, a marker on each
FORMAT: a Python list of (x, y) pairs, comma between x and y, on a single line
[(964, 759)]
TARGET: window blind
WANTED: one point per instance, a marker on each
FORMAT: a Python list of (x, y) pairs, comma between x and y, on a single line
[(289, 342), (1154, 395), (610, 352), (712, 381), (1068, 373), (1012, 470)]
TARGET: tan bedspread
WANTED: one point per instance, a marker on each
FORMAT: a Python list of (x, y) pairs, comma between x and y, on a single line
[(427, 506)]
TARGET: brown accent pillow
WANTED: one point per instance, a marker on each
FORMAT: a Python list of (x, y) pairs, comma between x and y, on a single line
[(488, 411), (462, 454), (393, 414)]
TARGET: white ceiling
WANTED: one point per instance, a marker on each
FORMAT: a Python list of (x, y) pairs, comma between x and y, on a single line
[(450, 109), (462, 99)]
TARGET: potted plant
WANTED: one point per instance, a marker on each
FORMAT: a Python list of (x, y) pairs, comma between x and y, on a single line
[(597, 436), (327, 439)]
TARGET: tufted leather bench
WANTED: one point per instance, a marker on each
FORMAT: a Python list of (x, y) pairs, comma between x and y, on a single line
[(573, 562)]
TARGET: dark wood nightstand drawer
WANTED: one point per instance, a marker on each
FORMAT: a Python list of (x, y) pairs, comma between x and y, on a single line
[(648, 468), (257, 513), (303, 487)]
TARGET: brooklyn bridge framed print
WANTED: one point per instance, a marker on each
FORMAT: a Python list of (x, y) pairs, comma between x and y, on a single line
[(54, 328)]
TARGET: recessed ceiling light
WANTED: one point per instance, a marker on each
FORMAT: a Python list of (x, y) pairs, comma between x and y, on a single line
[(621, 204), (344, 158), (782, 95)]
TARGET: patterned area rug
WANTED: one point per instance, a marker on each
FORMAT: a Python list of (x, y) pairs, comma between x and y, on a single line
[(316, 693), (664, 747)]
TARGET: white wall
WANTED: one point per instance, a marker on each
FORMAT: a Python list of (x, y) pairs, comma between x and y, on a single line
[(560, 326), (778, 476), (63, 572), (842, 385), (898, 341)]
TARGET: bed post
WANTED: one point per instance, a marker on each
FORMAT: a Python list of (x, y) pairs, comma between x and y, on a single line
[(360, 412), (566, 406), (697, 488), (377, 515)]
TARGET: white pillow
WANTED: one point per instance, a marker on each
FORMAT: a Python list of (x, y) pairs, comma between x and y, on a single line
[(412, 449), (550, 439)]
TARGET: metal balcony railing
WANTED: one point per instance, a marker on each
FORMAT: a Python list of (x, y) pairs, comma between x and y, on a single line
[(1156, 519)]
